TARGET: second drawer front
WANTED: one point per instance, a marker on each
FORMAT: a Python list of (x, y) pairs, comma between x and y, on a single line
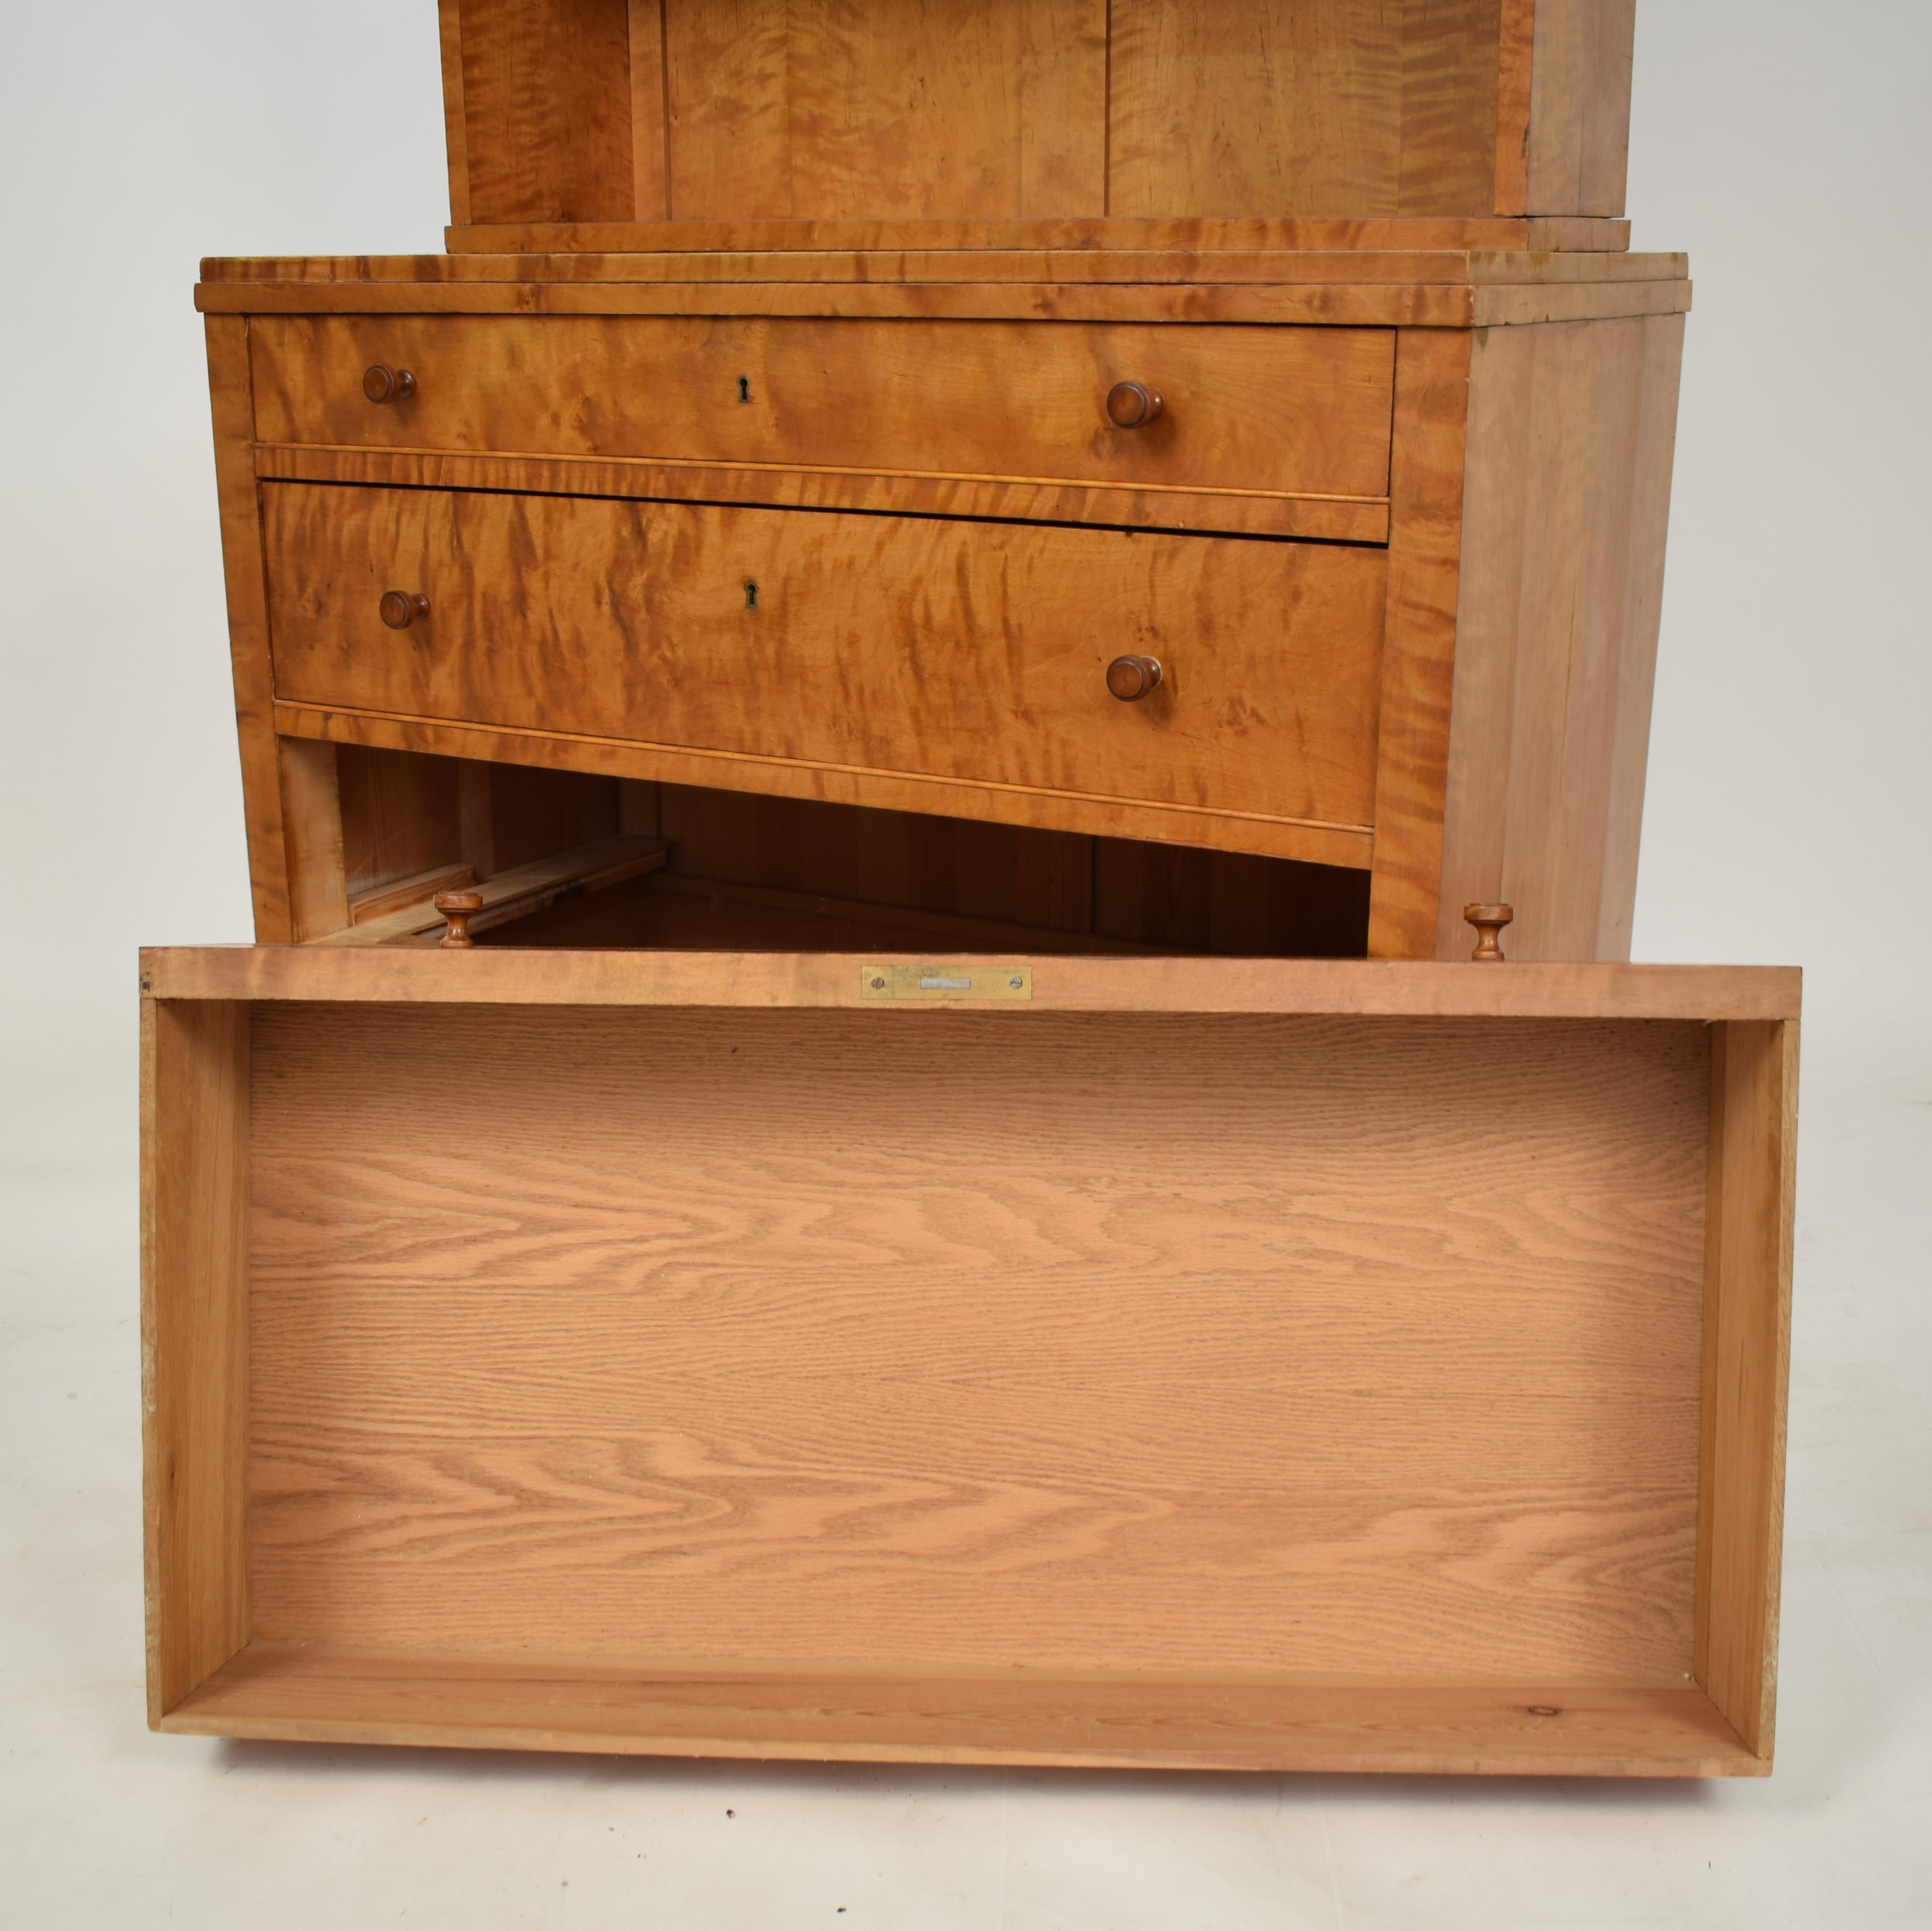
[(971, 652), (1244, 409)]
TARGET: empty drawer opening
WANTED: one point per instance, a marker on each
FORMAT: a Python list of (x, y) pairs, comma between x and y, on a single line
[(570, 858)]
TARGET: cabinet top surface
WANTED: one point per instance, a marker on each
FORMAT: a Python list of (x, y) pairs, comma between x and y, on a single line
[(1448, 287)]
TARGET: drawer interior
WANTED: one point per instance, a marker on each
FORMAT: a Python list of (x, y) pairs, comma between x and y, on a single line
[(1273, 1365), (743, 872)]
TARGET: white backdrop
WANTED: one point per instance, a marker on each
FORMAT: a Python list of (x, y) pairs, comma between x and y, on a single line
[(1786, 145)]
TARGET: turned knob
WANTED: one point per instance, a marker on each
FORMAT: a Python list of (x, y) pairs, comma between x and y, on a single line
[(457, 908), (399, 608), (1130, 678), (1489, 921), (382, 384), (1133, 405)]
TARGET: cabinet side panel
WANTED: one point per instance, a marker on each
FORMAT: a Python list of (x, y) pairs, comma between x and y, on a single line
[(1579, 148), (1419, 640), (546, 93), (1748, 1296), (1642, 607), (814, 110), (449, 23), (232, 403), (1566, 495), (194, 1199)]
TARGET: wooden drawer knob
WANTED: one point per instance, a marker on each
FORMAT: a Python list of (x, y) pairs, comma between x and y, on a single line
[(399, 608), (457, 909), (1133, 405), (1489, 921), (382, 384), (1130, 678)]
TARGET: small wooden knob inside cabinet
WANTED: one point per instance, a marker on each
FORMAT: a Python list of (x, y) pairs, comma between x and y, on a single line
[(1133, 405), (1130, 678), (457, 909), (1489, 921), (381, 383), (399, 608)]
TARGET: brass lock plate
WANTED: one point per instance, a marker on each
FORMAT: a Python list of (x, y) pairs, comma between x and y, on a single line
[(976, 979)]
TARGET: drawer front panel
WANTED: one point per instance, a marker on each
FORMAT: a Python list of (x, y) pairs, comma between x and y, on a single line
[(970, 652), (1243, 408)]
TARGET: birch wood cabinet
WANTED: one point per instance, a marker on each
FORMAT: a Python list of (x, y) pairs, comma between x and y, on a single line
[(866, 713)]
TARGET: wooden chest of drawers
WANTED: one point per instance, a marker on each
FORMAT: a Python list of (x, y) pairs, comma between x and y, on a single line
[(1241, 1364), (893, 530), (862, 537)]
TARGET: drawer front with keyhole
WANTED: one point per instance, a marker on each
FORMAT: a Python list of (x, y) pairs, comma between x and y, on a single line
[(1015, 656), (1222, 409)]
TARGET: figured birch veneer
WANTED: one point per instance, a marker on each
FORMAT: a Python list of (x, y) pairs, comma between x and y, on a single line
[(1230, 274), (1339, 1366)]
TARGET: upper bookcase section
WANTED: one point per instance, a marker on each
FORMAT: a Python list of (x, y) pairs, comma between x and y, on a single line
[(579, 114)]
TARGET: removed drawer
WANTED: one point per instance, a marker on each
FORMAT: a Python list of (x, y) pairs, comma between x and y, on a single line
[(1159, 1361), (1242, 409), (963, 652)]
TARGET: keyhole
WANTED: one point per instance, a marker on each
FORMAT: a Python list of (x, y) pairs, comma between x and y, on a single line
[(744, 389), (751, 595)]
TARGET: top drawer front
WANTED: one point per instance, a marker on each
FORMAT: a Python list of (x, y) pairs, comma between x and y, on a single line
[(1280, 411)]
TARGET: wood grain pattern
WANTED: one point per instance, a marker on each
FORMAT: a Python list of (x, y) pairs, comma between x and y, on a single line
[(194, 1342), (1336, 1383), (233, 407), (318, 886), (1752, 1187), (1299, 411), (876, 644), (324, 1696), (1570, 433), (959, 108), (1419, 642), (546, 104), (1319, 107), (1578, 145), (399, 815), (1397, 988), (971, 112), (1516, 28)]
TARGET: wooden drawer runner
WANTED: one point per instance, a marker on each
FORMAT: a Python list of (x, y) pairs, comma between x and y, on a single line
[(970, 652), (1266, 410), (1160, 1361)]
